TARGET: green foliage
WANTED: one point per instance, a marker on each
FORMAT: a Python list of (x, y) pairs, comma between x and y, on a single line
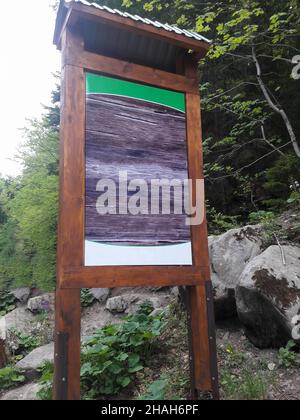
[(168, 375), (46, 381), (10, 377), (288, 358), (247, 385), (87, 298), (294, 198), (240, 379), (29, 205), (283, 181), (113, 356), (262, 217), (218, 222), (35, 209), (156, 391), (235, 358), (272, 231), (26, 343), (7, 302)]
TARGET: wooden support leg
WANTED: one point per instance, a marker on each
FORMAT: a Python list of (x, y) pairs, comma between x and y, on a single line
[(203, 357), (3, 359), (67, 345)]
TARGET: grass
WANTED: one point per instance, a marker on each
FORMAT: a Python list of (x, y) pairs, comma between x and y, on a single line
[(242, 377), (248, 385)]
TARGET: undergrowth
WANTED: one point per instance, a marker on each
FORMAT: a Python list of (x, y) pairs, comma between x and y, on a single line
[(112, 357)]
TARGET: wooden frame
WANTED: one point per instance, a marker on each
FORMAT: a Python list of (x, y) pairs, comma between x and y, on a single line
[(72, 271), (72, 275)]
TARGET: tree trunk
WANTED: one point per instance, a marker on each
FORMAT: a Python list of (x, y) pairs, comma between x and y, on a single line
[(276, 108)]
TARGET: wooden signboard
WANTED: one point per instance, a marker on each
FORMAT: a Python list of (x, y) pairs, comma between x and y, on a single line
[(134, 135), (127, 131)]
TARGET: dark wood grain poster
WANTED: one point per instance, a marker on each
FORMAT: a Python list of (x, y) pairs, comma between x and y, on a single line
[(136, 164)]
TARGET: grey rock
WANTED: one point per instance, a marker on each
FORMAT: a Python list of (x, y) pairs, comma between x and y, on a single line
[(25, 393), (117, 304), (174, 292), (35, 359), (229, 255), (157, 302), (41, 303), (96, 317), (157, 312), (19, 319), (268, 297), (21, 294), (101, 294)]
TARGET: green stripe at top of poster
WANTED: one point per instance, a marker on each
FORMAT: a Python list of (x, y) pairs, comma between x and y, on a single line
[(106, 85)]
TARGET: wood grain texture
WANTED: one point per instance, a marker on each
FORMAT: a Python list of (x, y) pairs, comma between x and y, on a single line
[(70, 249), (67, 321), (203, 360), (71, 202), (200, 339), (135, 72), (110, 277), (149, 142)]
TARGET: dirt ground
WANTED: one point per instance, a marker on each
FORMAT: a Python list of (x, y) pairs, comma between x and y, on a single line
[(236, 353), (246, 372)]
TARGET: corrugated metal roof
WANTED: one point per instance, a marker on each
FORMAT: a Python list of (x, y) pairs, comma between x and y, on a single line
[(166, 27)]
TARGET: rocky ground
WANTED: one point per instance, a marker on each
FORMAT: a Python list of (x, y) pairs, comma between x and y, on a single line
[(257, 305), (237, 355)]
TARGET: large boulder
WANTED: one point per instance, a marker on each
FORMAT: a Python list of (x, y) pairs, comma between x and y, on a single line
[(25, 393), (36, 359), (22, 294), (229, 255), (19, 319), (43, 303), (100, 294), (268, 296)]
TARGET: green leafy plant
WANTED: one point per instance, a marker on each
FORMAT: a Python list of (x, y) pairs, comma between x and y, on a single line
[(219, 222), (112, 356), (46, 381), (262, 216), (10, 377), (287, 357), (87, 298), (156, 391), (271, 229), (26, 343), (294, 198), (235, 358), (7, 302)]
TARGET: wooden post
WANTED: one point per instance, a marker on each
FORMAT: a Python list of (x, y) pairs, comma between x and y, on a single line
[(71, 224), (203, 357), (67, 345), (3, 358)]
